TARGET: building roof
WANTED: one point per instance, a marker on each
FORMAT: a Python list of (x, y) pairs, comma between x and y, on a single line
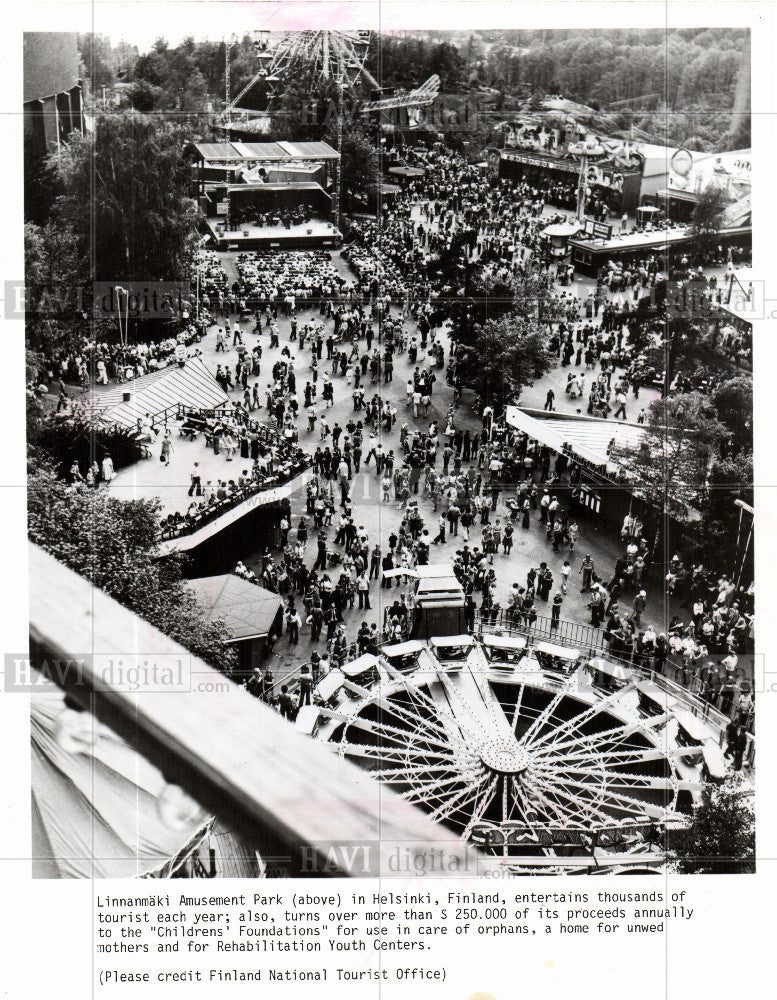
[(266, 152), (590, 438), (192, 385), (248, 611), (50, 64)]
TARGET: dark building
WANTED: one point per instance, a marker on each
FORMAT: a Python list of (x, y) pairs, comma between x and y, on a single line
[(53, 108)]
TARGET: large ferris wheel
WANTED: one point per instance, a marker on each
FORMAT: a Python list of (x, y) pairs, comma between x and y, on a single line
[(338, 57), (546, 761)]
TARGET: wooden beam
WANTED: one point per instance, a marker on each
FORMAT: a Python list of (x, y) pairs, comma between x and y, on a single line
[(283, 793)]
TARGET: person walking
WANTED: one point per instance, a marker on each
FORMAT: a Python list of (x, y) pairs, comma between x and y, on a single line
[(293, 622), (196, 478), (566, 569), (107, 470)]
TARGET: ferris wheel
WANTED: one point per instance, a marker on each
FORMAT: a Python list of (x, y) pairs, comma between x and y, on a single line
[(540, 771), (336, 56)]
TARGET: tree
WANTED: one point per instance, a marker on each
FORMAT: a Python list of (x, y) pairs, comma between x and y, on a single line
[(706, 216), (733, 400), (125, 198), (683, 436), (113, 544), (359, 163), (98, 59), (721, 836), (507, 354), (55, 273)]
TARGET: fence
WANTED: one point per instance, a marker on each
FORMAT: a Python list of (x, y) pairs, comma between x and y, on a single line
[(586, 638)]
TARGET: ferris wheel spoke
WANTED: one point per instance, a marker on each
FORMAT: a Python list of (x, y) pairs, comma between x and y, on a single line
[(621, 758), (590, 713), (457, 802), (392, 736), (433, 790), (624, 780), (541, 719), (421, 768), (398, 755), (437, 732), (480, 807), (609, 737), (469, 717), (589, 808), (416, 695), (517, 709), (571, 809), (615, 801)]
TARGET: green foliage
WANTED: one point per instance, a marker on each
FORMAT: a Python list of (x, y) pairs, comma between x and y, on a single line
[(112, 543), (125, 198), (408, 62), (683, 436), (721, 835), (705, 218), (75, 438), (55, 272), (359, 158), (733, 400), (507, 354)]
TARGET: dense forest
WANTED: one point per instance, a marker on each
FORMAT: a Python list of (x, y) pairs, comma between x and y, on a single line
[(679, 85)]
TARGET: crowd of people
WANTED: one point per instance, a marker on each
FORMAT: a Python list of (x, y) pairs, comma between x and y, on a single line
[(484, 487)]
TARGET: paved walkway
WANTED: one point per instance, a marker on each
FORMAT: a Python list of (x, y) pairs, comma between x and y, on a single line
[(171, 483)]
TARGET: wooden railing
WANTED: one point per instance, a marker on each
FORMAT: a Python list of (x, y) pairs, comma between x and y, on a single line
[(284, 794)]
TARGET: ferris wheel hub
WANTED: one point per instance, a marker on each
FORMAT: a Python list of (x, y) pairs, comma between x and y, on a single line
[(504, 757)]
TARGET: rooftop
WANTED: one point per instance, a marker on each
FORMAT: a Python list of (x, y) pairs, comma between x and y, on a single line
[(247, 610), (190, 385), (265, 152)]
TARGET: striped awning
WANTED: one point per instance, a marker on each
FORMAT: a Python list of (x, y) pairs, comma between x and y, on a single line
[(191, 385)]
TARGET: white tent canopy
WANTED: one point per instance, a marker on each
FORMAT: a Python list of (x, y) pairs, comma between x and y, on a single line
[(101, 811)]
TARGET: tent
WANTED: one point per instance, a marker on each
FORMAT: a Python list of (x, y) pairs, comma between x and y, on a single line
[(99, 809)]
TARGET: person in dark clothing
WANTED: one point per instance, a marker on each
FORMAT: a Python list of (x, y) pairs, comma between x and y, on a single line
[(305, 686), (286, 704), (555, 611)]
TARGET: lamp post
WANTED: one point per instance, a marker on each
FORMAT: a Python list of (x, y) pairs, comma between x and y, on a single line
[(589, 150)]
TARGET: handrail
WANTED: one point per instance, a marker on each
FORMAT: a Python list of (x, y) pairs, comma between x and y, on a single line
[(285, 794)]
